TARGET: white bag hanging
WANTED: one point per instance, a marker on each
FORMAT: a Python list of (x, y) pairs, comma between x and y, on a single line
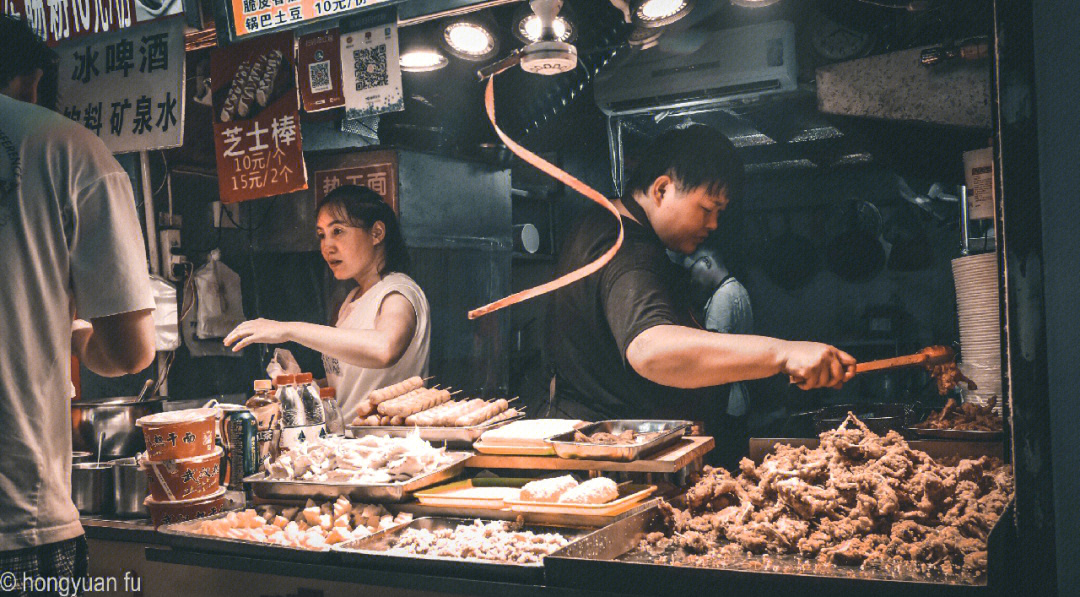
[(219, 306), (166, 320)]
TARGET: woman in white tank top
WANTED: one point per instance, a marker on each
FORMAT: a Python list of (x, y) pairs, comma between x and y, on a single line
[(382, 331)]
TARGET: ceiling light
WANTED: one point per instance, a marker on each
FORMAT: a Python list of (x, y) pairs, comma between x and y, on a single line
[(753, 3), (660, 13), (422, 60), (528, 29), (470, 38)]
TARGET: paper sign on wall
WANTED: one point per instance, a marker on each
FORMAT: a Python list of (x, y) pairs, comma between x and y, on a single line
[(379, 175), (256, 119), (59, 20), (127, 86), (370, 72), (318, 66)]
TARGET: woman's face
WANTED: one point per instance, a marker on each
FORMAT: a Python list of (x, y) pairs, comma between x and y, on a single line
[(350, 252)]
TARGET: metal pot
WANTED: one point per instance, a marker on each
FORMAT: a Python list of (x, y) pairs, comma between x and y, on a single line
[(129, 488), (77, 457), (91, 487), (115, 417)]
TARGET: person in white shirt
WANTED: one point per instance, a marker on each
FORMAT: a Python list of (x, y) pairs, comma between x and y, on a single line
[(383, 330), (70, 243)]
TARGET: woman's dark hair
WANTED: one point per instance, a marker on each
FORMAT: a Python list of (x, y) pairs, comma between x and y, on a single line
[(361, 207), (695, 156)]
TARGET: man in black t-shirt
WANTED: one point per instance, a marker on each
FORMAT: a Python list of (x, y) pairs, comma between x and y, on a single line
[(622, 341)]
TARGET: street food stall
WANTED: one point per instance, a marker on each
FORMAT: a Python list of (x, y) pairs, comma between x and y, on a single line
[(877, 215)]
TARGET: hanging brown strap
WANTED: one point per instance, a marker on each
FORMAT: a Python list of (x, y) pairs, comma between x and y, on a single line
[(556, 173)]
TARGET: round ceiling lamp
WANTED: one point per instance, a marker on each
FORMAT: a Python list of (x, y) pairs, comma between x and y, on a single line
[(660, 13), (422, 60), (528, 29), (470, 38)]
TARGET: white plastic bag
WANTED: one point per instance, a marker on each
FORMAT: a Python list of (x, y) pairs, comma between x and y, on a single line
[(283, 363), (219, 307), (166, 320)]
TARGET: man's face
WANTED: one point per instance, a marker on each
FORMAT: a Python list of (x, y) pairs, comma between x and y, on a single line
[(684, 218)]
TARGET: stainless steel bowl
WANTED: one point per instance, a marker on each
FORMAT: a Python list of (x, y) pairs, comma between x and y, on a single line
[(91, 487), (129, 488), (77, 457), (115, 417)]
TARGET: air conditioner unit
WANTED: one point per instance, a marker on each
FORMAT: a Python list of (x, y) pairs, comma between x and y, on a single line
[(731, 64)]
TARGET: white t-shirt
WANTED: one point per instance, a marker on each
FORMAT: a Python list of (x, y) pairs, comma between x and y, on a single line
[(69, 229), (354, 383)]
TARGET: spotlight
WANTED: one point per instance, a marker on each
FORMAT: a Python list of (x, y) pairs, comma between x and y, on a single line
[(527, 26), (660, 13), (422, 60), (471, 38)]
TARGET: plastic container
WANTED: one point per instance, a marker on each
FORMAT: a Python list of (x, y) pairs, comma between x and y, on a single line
[(293, 413), (180, 434), (170, 512), (309, 394), (183, 479)]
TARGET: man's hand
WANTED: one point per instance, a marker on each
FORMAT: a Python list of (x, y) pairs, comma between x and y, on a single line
[(258, 331), (812, 365)]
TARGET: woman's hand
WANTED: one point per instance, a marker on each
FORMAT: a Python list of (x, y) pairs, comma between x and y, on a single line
[(258, 331)]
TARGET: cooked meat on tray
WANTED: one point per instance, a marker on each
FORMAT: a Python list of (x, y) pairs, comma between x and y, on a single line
[(965, 417), (628, 436), (365, 460), (857, 499), (315, 526), (498, 540)]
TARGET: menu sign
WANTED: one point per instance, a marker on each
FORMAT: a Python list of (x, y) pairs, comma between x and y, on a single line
[(318, 63), (379, 175), (59, 20), (249, 17), (127, 86), (256, 119)]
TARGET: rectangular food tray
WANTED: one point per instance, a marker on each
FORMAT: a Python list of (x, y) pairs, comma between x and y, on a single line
[(372, 552), (181, 536), (272, 489), (667, 432), (629, 495), (456, 435)]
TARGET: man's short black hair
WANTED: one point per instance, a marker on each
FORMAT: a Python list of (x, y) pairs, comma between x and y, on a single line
[(23, 51), (695, 156)]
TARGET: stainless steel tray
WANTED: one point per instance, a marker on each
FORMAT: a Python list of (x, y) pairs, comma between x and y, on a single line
[(666, 433), (372, 552), (453, 435), (608, 560), (180, 536), (960, 434), (273, 489)]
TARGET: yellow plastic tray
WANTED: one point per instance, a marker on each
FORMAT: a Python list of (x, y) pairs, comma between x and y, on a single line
[(630, 494)]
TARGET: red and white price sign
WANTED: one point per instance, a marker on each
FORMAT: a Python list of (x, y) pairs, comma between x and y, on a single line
[(256, 119)]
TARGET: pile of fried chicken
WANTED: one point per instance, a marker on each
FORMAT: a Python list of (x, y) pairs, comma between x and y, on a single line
[(965, 417), (857, 499)]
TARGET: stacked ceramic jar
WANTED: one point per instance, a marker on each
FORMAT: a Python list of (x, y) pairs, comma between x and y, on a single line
[(183, 465)]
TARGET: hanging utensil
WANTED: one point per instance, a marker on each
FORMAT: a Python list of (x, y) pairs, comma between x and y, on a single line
[(790, 259), (856, 254)]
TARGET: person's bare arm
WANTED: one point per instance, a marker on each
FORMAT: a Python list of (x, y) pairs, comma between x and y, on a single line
[(683, 357), (115, 345), (377, 348)]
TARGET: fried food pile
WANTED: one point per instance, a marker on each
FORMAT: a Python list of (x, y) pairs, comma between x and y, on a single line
[(857, 499), (965, 417)]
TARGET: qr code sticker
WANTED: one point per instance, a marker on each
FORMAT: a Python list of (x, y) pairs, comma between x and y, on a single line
[(319, 73), (369, 64)]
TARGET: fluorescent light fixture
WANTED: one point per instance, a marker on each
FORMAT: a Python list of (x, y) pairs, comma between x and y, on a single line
[(660, 13), (753, 3)]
